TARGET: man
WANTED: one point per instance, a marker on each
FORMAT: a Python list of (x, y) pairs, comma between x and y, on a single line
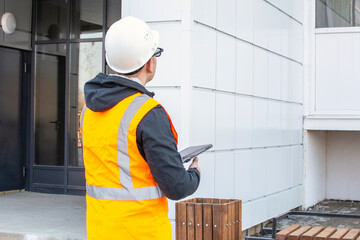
[(129, 143)]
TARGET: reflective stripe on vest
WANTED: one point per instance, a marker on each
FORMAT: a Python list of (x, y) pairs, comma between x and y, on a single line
[(128, 192)]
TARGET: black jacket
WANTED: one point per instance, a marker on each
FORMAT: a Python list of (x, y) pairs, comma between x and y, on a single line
[(155, 140)]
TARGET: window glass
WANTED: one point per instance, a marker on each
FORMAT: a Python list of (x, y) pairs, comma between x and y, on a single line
[(51, 20), (85, 63), (87, 19), (337, 13), (49, 104)]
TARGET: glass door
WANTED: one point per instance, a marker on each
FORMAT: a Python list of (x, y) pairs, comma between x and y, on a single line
[(68, 51)]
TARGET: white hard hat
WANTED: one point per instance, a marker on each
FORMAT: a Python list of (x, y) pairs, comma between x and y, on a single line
[(129, 44)]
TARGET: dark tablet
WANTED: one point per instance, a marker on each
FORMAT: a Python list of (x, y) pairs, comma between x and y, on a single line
[(189, 153)]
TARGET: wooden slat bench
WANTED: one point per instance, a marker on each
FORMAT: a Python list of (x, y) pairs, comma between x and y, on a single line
[(297, 232)]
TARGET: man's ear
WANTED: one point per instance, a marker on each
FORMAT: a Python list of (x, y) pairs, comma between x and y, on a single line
[(150, 67)]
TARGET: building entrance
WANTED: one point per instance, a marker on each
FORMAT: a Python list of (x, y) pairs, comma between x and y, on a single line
[(67, 51)]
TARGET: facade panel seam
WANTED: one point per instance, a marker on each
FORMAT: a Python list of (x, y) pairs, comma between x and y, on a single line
[(245, 95), (243, 40), (271, 194), (282, 11)]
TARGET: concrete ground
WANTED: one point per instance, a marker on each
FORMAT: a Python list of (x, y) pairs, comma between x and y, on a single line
[(327, 206), (30, 216)]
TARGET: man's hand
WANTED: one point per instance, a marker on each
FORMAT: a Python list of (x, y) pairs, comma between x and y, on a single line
[(195, 164)]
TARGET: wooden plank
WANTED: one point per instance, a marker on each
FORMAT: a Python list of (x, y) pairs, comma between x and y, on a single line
[(310, 235), (296, 235), (229, 221), (198, 221), (238, 219), (325, 234), (352, 234), (190, 218), (283, 234), (207, 200), (207, 221), (233, 224), (224, 221), (216, 222), (215, 201), (180, 213), (339, 234)]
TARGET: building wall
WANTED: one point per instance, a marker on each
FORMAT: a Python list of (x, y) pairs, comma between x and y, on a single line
[(331, 111), (21, 9), (314, 183), (343, 164), (231, 75)]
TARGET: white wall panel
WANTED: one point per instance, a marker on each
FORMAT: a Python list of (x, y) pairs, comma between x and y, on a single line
[(202, 124), (285, 79), (274, 29), (274, 123), (244, 19), (275, 84), (258, 173), (243, 164), (297, 90), (314, 167), (168, 72), (260, 131), (287, 164), (244, 122), (297, 165), (260, 72), (261, 16), (343, 178), (171, 101), (299, 126), (246, 215), (285, 35), (207, 183), (244, 67), (153, 10), (224, 175), (258, 211), (274, 205), (225, 121), (286, 112), (337, 71), (203, 57), (274, 169), (226, 20), (293, 8), (171, 214), (225, 63), (205, 11), (173, 229)]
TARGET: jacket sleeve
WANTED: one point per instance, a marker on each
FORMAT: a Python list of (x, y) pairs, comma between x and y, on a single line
[(157, 145)]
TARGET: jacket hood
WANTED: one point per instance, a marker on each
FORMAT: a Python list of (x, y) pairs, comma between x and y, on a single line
[(104, 92)]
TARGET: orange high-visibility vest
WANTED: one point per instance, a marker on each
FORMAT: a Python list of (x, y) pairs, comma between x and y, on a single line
[(123, 200)]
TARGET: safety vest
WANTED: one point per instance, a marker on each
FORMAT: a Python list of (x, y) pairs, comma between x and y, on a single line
[(123, 200)]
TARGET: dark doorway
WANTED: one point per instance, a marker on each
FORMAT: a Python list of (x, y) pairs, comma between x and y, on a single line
[(12, 165), (49, 106)]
